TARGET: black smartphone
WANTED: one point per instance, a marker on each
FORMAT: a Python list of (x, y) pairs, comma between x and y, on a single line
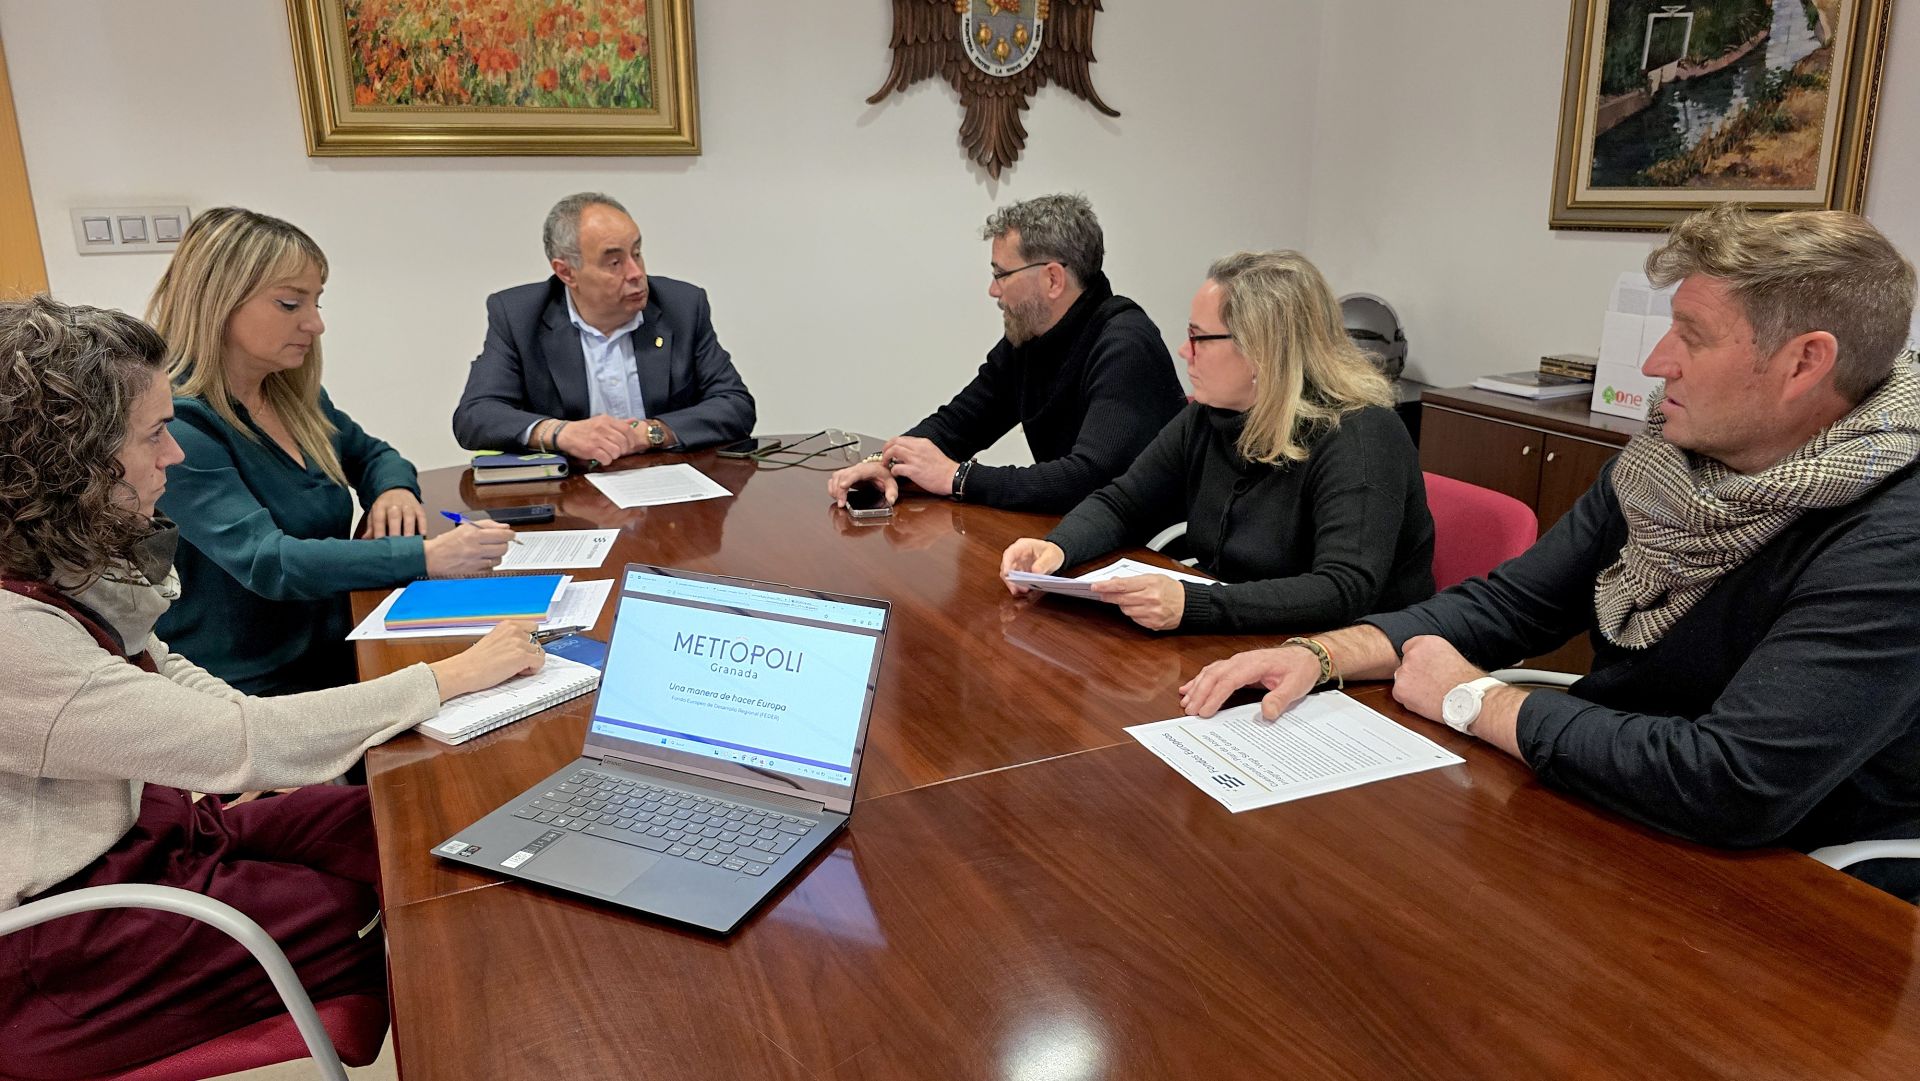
[(750, 446), (527, 515), (868, 501)]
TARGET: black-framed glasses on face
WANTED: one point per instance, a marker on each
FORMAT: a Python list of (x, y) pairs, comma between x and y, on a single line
[(1002, 275), (1194, 340)]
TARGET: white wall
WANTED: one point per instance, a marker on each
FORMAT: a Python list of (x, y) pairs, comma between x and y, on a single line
[(1433, 161), (839, 241)]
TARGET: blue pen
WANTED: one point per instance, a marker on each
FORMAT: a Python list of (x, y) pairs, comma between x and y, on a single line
[(457, 520)]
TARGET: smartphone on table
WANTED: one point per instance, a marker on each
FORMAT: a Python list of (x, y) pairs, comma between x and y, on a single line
[(866, 500), (532, 514), (750, 446)]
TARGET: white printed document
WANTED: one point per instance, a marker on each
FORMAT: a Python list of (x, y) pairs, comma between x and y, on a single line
[(658, 485), (558, 549), (579, 606), (1326, 743), (1083, 585)]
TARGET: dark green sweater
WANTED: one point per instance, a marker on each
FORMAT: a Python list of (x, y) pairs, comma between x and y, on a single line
[(265, 561)]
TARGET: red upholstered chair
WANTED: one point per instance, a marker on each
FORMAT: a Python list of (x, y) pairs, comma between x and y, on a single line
[(355, 1025), (1474, 529)]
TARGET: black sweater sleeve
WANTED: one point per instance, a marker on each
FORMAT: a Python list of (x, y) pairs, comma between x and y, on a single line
[(1833, 682), (1129, 393), (1358, 492), (1148, 497), (1528, 605), (983, 411)]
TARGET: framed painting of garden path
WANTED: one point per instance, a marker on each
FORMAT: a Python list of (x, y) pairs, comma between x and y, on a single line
[(1671, 107), (379, 77)]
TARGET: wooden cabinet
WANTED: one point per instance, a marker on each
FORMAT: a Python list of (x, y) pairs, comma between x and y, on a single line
[(1545, 454)]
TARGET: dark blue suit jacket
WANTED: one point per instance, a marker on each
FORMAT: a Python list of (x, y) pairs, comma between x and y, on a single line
[(531, 368)]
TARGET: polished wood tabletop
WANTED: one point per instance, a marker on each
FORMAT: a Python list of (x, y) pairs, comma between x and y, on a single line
[(1024, 892)]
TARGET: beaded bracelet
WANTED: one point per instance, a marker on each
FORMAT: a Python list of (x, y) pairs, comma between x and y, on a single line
[(1327, 669)]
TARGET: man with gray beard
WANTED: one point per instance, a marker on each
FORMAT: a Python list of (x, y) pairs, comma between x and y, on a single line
[(1081, 370)]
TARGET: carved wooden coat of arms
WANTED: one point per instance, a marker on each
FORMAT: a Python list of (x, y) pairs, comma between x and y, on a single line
[(996, 53)]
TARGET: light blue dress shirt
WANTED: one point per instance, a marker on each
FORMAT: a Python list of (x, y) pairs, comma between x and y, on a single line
[(613, 379)]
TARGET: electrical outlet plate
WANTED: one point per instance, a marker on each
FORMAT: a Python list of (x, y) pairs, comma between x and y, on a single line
[(116, 230)]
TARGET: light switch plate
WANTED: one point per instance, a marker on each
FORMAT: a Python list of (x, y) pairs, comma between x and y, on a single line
[(113, 230)]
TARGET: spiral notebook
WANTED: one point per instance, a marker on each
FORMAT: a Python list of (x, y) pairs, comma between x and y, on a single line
[(469, 715)]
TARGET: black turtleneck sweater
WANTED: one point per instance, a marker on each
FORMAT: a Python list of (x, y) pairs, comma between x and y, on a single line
[(1089, 394), (1299, 546)]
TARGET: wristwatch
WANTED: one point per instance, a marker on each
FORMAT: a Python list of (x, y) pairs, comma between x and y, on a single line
[(656, 435), (1461, 707)]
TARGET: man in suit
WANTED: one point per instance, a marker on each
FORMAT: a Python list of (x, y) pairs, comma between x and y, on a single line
[(600, 360)]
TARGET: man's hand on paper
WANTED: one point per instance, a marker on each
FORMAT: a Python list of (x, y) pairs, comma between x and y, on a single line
[(1030, 554), (1287, 672), (1154, 601), (875, 473), (919, 461)]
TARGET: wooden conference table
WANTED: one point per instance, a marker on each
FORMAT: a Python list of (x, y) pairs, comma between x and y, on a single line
[(1027, 894)]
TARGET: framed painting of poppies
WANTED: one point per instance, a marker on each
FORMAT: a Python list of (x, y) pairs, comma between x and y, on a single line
[(501, 77), (1669, 107)]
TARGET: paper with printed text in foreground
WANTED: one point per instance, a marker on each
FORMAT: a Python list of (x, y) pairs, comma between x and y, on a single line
[(1326, 743)]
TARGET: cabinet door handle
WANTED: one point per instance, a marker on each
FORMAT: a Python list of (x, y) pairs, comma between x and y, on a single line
[(1526, 450), (1550, 455)]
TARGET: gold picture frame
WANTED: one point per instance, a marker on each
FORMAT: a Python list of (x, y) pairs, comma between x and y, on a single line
[(495, 77), (1727, 100)]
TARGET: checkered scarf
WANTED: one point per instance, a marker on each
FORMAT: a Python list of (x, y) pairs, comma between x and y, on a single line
[(1691, 520)]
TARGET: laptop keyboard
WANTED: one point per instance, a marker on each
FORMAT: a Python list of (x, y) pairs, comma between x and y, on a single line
[(687, 825)]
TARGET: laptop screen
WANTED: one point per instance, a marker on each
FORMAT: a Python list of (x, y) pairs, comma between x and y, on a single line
[(761, 684)]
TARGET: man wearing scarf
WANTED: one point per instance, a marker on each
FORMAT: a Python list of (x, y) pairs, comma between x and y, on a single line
[(1748, 569)]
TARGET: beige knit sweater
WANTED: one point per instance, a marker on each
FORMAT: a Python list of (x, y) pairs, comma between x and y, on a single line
[(81, 729)]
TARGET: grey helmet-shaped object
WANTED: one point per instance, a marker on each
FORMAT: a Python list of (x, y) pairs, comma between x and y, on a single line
[(1375, 328)]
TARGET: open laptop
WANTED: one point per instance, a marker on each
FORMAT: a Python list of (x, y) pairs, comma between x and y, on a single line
[(723, 752)]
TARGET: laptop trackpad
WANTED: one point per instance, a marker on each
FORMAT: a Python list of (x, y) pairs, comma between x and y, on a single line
[(602, 867)]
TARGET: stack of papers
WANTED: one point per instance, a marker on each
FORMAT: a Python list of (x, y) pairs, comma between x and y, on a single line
[(1083, 585), (578, 605)]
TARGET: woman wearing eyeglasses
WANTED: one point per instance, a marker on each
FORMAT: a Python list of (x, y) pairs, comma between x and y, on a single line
[(1300, 487)]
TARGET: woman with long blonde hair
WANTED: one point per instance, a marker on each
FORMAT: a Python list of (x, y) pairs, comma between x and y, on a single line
[(1300, 488), (265, 498)]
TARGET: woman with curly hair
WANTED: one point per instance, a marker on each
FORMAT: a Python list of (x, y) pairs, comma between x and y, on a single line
[(1300, 488), (265, 498), (105, 731)]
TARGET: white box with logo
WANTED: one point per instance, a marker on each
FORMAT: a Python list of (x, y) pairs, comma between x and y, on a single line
[(1638, 316)]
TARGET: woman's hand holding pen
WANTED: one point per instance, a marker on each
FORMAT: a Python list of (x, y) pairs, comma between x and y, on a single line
[(469, 548)]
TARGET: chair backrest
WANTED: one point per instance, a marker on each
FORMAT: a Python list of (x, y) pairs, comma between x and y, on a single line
[(1475, 529)]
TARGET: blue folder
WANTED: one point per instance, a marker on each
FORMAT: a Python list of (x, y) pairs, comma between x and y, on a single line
[(435, 603)]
